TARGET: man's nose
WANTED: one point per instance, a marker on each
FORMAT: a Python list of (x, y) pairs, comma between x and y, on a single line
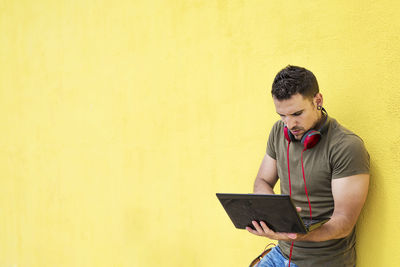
[(290, 122)]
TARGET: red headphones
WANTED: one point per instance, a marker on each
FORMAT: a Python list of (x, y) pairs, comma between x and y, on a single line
[(310, 138)]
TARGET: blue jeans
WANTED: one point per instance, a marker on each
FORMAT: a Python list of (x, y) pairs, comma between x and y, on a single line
[(275, 259)]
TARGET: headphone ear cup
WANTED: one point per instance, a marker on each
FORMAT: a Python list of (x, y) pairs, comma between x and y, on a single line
[(288, 135), (310, 139)]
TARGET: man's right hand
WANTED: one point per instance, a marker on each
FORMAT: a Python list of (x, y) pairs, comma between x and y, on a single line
[(261, 229)]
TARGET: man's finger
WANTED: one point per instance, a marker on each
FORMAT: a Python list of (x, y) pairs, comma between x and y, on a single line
[(252, 231), (257, 227), (292, 235), (265, 227)]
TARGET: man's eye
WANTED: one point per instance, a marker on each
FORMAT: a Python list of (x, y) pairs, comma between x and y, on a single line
[(297, 114)]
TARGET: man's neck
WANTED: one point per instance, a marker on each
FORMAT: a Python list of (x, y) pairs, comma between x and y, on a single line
[(321, 120)]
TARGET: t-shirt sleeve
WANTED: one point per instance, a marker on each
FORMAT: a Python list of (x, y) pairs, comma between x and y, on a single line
[(349, 157), (271, 145)]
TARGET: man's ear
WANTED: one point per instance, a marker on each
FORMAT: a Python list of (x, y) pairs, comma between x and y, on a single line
[(318, 100)]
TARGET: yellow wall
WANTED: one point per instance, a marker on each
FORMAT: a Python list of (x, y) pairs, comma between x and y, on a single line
[(120, 120)]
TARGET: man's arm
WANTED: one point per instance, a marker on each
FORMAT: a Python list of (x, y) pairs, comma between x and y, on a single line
[(267, 176), (349, 194)]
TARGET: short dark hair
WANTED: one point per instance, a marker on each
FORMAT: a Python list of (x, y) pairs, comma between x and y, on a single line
[(292, 80)]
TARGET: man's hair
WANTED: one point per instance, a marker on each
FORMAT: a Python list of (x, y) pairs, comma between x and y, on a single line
[(292, 80)]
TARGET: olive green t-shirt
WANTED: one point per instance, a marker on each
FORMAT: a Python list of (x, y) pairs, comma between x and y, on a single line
[(339, 153)]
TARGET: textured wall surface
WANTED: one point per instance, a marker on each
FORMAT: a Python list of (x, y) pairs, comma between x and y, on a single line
[(120, 120)]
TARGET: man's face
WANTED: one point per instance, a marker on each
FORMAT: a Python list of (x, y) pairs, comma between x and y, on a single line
[(298, 113)]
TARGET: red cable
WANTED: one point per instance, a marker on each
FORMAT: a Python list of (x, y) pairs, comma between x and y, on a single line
[(287, 154), (304, 179), (290, 191)]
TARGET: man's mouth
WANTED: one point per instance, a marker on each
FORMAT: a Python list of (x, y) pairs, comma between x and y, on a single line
[(296, 132)]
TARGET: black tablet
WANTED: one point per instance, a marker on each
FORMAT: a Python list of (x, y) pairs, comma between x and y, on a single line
[(277, 211)]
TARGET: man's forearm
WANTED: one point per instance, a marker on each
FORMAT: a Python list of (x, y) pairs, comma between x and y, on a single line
[(334, 229), (337, 227), (262, 187)]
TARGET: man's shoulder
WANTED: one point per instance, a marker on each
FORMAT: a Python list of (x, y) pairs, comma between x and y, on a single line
[(277, 128), (278, 124), (347, 152), (340, 135)]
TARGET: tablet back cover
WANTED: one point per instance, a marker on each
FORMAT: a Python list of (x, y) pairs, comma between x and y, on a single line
[(277, 211)]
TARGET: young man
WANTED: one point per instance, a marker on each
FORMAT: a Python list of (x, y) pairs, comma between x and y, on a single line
[(327, 179)]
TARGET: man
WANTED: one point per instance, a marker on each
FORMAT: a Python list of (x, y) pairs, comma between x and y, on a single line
[(335, 179)]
